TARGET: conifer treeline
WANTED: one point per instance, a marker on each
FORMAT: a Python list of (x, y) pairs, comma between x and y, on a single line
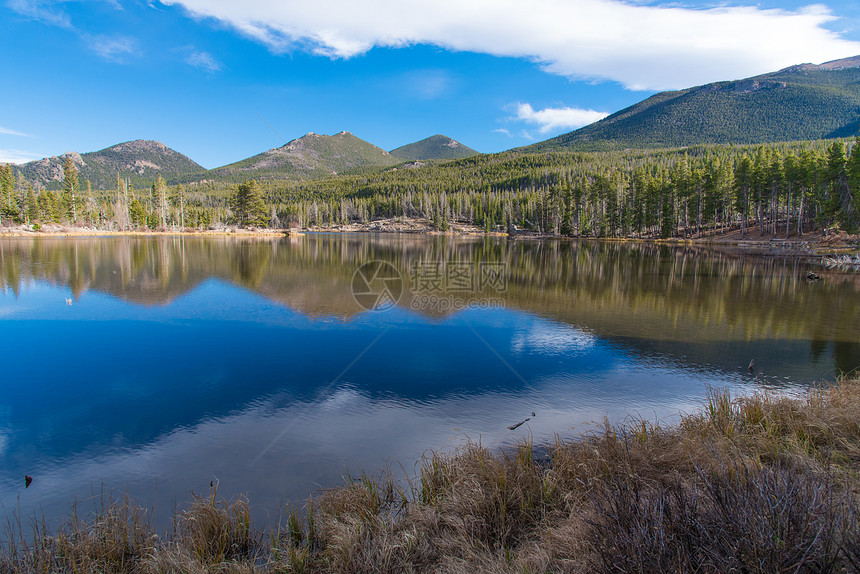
[(774, 188)]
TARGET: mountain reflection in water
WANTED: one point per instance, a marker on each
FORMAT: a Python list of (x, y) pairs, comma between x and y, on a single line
[(155, 365)]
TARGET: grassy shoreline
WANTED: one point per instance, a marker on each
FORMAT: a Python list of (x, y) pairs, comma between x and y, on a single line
[(755, 484)]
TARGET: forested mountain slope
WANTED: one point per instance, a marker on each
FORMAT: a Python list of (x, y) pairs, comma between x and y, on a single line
[(803, 102)]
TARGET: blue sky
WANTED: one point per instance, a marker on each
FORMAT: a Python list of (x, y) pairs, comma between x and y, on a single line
[(221, 80)]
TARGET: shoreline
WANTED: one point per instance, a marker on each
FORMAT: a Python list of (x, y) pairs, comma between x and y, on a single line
[(810, 245), (760, 483), (85, 232)]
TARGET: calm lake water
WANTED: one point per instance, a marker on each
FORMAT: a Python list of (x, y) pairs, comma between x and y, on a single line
[(153, 366)]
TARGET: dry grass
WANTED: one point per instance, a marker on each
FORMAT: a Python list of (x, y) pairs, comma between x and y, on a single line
[(756, 484), (115, 538)]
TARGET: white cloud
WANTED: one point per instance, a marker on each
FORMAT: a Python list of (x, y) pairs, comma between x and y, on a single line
[(112, 48), (552, 119), (42, 11), (205, 61), (641, 46), (49, 11), (9, 132), (17, 156)]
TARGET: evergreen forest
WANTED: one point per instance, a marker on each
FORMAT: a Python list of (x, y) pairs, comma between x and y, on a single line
[(786, 188)]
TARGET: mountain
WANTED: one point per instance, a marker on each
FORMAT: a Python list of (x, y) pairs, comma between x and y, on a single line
[(434, 147), (802, 102), (308, 157), (140, 161)]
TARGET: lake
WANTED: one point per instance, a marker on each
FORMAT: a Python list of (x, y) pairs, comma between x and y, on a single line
[(157, 365)]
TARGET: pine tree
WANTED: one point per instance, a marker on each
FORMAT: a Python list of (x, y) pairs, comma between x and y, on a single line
[(87, 203), (159, 193), (853, 174), (793, 185), (70, 188), (8, 201), (137, 213), (566, 227), (180, 199), (743, 182), (839, 203), (248, 206), (32, 210)]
